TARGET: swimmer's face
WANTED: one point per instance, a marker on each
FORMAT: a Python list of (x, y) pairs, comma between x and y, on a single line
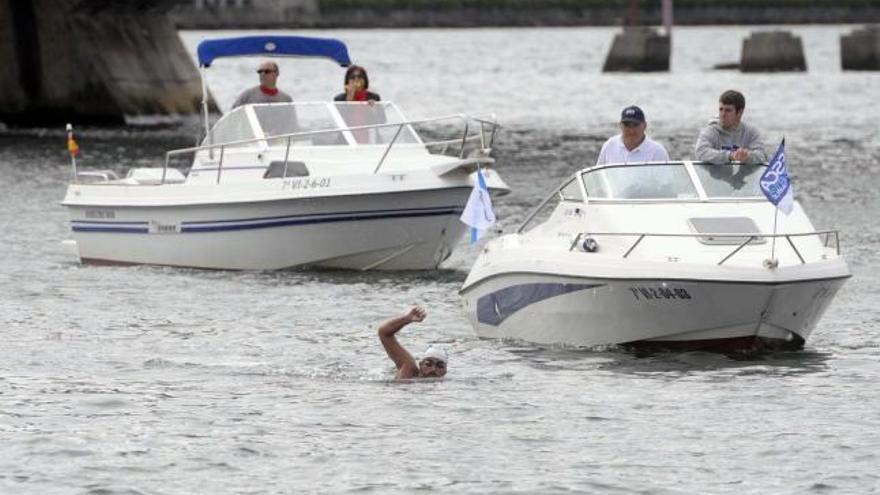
[(432, 367)]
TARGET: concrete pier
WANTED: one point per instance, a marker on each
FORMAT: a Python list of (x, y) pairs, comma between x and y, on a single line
[(638, 49), (92, 62), (860, 50), (772, 51)]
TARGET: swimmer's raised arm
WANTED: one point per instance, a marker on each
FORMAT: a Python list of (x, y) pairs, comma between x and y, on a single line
[(406, 364)]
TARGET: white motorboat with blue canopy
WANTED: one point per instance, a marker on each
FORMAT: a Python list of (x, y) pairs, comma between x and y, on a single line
[(330, 184), (659, 255)]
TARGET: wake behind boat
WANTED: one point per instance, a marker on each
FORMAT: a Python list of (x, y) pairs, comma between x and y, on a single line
[(330, 184), (673, 255)]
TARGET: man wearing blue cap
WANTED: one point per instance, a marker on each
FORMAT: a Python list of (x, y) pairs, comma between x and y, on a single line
[(432, 363), (632, 145)]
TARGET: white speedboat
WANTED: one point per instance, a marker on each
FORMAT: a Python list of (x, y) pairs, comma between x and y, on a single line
[(342, 185), (674, 255)]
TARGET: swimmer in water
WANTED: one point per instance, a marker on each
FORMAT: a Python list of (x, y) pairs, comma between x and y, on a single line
[(433, 361)]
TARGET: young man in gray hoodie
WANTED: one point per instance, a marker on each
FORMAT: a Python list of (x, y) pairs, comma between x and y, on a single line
[(729, 139)]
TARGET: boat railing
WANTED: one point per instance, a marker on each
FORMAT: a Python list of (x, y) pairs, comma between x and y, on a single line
[(536, 210), (488, 129), (749, 238), (485, 142)]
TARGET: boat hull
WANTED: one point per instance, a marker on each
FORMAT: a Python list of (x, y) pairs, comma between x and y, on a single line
[(392, 231), (649, 313)]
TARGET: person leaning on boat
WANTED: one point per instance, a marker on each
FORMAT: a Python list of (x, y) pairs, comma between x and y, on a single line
[(267, 91), (356, 84), (433, 360), (729, 139), (632, 144)]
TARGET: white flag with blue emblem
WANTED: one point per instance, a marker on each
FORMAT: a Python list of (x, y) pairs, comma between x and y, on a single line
[(478, 212), (775, 183)]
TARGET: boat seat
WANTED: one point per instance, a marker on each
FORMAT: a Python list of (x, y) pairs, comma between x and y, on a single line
[(153, 176), (95, 176)]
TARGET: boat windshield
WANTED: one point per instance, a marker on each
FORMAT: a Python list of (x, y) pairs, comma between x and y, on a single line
[(234, 126), (362, 114), (730, 181), (278, 120), (640, 181), (330, 119)]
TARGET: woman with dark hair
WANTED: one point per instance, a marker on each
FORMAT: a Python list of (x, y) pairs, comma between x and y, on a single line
[(356, 85)]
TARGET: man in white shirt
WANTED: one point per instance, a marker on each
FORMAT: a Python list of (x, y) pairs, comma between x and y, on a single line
[(632, 145)]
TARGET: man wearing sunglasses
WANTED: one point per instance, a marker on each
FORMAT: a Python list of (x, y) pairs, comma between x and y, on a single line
[(728, 139), (267, 91), (632, 145), (432, 363)]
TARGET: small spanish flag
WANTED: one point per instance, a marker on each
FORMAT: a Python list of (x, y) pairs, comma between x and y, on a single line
[(72, 147)]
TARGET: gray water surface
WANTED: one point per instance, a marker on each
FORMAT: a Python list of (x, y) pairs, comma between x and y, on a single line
[(167, 381)]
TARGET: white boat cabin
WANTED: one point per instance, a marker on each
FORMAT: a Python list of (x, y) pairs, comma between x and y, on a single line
[(657, 211), (265, 141)]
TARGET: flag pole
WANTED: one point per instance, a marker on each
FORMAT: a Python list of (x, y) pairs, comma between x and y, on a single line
[(71, 151), (474, 234), (477, 213), (775, 217), (776, 185), (773, 242)]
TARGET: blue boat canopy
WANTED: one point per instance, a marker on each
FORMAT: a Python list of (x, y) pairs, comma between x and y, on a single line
[(300, 46)]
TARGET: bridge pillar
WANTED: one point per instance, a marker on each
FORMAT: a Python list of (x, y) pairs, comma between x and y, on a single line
[(92, 61), (860, 49), (773, 51), (638, 49)]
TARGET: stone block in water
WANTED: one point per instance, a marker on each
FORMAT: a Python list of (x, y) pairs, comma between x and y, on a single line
[(772, 51), (638, 50), (860, 49)]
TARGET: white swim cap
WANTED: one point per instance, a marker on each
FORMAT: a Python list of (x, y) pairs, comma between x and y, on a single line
[(435, 353)]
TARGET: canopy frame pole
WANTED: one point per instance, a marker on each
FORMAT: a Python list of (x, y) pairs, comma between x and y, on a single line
[(286, 156), (204, 75)]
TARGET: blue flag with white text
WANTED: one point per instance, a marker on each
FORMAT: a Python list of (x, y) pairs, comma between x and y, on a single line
[(775, 183), (478, 214)]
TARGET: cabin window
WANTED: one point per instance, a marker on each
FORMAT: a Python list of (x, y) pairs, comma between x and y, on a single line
[(234, 126), (725, 225), (363, 114), (571, 191), (313, 121), (637, 181), (730, 181), (281, 169), (277, 120)]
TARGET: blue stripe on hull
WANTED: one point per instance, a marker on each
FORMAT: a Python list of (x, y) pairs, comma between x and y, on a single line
[(265, 222), (115, 230), (107, 226), (495, 307)]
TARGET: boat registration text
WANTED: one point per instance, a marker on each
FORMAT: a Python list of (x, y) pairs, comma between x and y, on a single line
[(651, 293), (305, 183)]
